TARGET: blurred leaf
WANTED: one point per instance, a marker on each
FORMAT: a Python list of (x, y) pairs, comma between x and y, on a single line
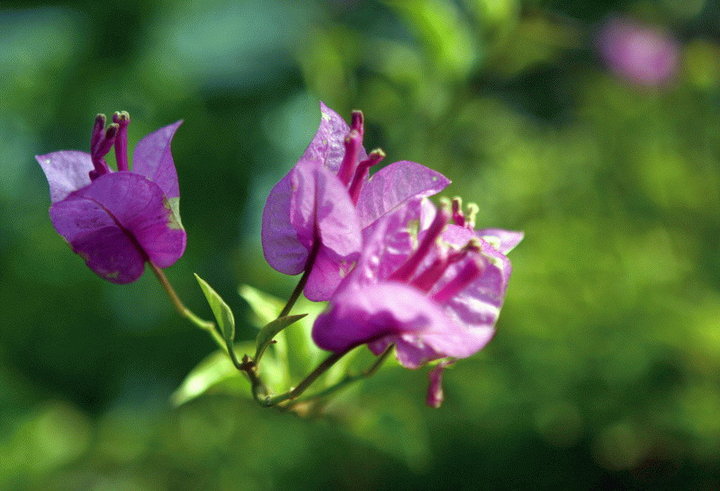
[(452, 50), (702, 63), (388, 422), (37, 45), (400, 62), (536, 40), (497, 16), (302, 354), (221, 311), (267, 333), (53, 435), (328, 61), (265, 307), (228, 44)]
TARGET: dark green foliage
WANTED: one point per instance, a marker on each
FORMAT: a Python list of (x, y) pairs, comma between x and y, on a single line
[(605, 372)]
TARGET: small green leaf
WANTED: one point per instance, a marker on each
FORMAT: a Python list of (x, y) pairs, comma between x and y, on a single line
[(294, 351), (215, 372), (223, 315), (267, 333), (216, 375)]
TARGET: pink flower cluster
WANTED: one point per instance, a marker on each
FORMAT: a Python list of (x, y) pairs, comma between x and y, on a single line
[(396, 269)]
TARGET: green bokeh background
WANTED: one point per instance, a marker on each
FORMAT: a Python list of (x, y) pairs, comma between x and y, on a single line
[(606, 368)]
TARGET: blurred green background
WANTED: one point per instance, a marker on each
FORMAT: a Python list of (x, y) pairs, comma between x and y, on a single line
[(605, 372)]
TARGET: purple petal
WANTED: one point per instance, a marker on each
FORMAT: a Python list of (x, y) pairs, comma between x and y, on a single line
[(152, 159), (142, 209), (327, 146), (281, 247), (478, 306), (93, 234), (66, 171), (358, 316), (449, 340), (327, 273), (132, 211), (387, 243), (320, 207), (394, 185), (427, 213), (308, 204), (457, 236), (412, 352), (503, 240), (405, 316), (500, 265)]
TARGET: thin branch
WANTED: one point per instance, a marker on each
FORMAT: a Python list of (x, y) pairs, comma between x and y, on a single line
[(183, 310)]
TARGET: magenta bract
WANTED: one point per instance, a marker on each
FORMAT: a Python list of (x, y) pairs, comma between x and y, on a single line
[(432, 288), (314, 217), (118, 220)]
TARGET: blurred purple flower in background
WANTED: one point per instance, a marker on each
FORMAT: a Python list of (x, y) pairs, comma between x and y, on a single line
[(641, 54), (116, 221)]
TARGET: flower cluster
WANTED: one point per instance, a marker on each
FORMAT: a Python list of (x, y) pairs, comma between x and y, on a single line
[(396, 270)]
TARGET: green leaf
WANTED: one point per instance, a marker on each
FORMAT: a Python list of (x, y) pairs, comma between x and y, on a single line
[(267, 333), (223, 315), (294, 348), (295, 354), (215, 373), (265, 307)]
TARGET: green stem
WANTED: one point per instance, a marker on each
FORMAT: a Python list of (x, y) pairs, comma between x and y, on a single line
[(184, 311), (306, 382), (303, 280), (348, 379), (259, 390)]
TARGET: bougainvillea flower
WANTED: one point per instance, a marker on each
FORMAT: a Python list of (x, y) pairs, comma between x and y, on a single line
[(314, 216), (116, 221), (640, 54), (432, 288)]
